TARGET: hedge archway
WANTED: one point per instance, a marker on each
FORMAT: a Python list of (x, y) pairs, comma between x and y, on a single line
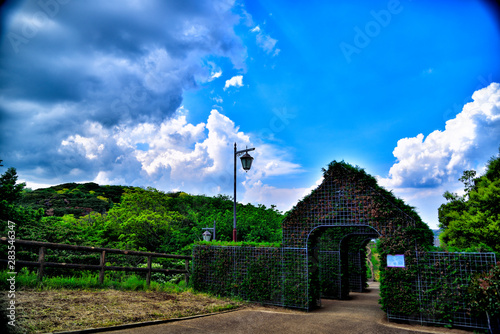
[(347, 205), (323, 236)]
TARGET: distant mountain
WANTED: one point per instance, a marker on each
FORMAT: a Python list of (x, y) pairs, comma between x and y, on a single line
[(73, 198), (437, 232)]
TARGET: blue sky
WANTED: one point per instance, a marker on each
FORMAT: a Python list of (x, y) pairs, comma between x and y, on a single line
[(155, 93)]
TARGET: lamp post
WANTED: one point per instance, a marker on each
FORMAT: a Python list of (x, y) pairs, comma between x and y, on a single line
[(246, 162)]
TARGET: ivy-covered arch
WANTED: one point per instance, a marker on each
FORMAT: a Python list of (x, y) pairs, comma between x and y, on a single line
[(348, 196), (329, 228), (324, 237)]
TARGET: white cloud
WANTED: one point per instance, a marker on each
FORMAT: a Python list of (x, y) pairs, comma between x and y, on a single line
[(216, 75), (283, 198), (112, 72), (35, 185), (428, 166), (469, 138), (256, 29), (91, 147), (196, 158), (236, 81), (215, 71), (273, 161), (265, 42)]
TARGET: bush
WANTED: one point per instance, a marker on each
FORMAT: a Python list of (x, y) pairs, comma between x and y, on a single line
[(484, 293)]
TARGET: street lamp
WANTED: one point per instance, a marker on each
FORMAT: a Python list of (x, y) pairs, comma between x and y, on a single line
[(206, 236), (207, 230), (246, 163)]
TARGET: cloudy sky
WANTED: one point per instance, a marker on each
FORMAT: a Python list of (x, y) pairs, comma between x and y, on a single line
[(156, 93)]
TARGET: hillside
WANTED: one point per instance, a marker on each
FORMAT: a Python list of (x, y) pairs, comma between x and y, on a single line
[(135, 218), (72, 198)]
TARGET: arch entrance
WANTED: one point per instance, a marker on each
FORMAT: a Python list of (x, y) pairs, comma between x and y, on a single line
[(336, 260), (328, 230)]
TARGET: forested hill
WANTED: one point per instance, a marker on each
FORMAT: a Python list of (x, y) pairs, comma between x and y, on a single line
[(72, 198), (134, 218)]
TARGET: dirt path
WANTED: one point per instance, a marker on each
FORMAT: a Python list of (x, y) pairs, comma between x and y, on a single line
[(361, 314)]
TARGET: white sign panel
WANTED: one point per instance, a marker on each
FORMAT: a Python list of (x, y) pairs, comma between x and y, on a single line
[(396, 261)]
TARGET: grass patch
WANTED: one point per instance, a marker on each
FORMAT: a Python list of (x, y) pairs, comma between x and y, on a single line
[(80, 302), (26, 279)]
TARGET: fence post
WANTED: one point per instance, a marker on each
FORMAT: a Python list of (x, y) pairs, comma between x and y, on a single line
[(148, 276), (102, 263), (41, 261), (186, 275)]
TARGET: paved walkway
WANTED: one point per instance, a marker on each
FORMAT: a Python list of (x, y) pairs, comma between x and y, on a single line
[(360, 314)]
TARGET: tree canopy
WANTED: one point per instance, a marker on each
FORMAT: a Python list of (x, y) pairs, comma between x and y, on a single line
[(128, 217), (472, 221)]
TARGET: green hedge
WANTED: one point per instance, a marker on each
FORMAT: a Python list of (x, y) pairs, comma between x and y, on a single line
[(252, 273), (435, 287), (270, 275)]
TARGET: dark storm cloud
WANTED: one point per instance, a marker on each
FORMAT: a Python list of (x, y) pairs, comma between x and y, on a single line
[(63, 63)]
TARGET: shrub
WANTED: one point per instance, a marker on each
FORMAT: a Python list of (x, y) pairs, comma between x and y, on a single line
[(484, 293)]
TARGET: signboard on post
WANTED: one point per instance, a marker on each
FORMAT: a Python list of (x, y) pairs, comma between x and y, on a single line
[(396, 261)]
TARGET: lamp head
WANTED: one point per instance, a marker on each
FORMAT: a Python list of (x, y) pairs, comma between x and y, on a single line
[(206, 236), (246, 161)]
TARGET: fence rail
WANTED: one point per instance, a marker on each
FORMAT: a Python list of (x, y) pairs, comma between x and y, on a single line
[(102, 267)]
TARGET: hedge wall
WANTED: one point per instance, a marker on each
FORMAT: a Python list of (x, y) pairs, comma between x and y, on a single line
[(271, 275), (252, 273), (434, 288)]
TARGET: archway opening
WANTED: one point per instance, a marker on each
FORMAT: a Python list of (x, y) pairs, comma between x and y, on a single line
[(337, 261)]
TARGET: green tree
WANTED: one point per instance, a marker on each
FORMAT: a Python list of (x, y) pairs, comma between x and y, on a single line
[(472, 221), (10, 191), (468, 179), (451, 210), (142, 221)]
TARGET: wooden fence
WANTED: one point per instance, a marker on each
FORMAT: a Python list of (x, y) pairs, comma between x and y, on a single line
[(102, 267)]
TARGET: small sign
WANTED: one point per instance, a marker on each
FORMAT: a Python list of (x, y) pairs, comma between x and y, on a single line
[(396, 261)]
